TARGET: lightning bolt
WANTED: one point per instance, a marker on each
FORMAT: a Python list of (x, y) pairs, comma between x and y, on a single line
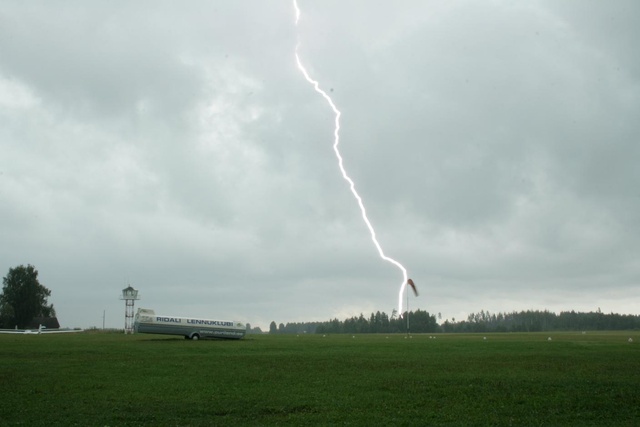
[(352, 186)]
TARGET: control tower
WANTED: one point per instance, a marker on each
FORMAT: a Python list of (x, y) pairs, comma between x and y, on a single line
[(129, 295)]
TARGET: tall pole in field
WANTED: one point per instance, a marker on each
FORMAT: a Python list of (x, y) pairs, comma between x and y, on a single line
[(415, 291), (407, 292)]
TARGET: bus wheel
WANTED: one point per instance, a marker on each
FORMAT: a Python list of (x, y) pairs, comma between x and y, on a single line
[(195, 337)]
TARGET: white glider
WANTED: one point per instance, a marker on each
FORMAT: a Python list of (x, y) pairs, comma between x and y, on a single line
[(41, 330)]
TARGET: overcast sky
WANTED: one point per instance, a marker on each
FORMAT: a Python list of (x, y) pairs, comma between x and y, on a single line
[(176, 147)]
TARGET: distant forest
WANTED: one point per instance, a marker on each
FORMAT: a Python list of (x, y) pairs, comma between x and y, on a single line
[(423, 322)]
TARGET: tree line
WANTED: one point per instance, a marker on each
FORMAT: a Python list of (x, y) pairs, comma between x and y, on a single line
[(542, 321), (377, 323), (483, 321)]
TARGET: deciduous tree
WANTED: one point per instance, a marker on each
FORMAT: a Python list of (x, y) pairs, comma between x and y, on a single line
[(23, 297)]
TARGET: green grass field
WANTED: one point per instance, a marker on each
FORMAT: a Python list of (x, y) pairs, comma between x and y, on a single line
[(101, 379)]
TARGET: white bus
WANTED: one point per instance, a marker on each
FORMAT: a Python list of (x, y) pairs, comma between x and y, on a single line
[(148, 322)]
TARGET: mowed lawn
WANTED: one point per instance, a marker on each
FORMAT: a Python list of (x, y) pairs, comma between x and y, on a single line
[(102, 379)]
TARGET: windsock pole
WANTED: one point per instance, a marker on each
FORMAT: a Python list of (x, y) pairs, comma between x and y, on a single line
[(407, 292)]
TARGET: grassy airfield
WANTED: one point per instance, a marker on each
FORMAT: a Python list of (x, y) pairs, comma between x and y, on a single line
[(506, 379)]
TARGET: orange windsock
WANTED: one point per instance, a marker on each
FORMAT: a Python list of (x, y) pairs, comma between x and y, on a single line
[(413, 286)]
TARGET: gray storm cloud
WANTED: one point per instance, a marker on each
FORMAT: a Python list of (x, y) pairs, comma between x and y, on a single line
[(178, 148)]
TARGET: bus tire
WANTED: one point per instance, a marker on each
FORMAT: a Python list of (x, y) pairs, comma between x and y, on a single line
[(195, 337)]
